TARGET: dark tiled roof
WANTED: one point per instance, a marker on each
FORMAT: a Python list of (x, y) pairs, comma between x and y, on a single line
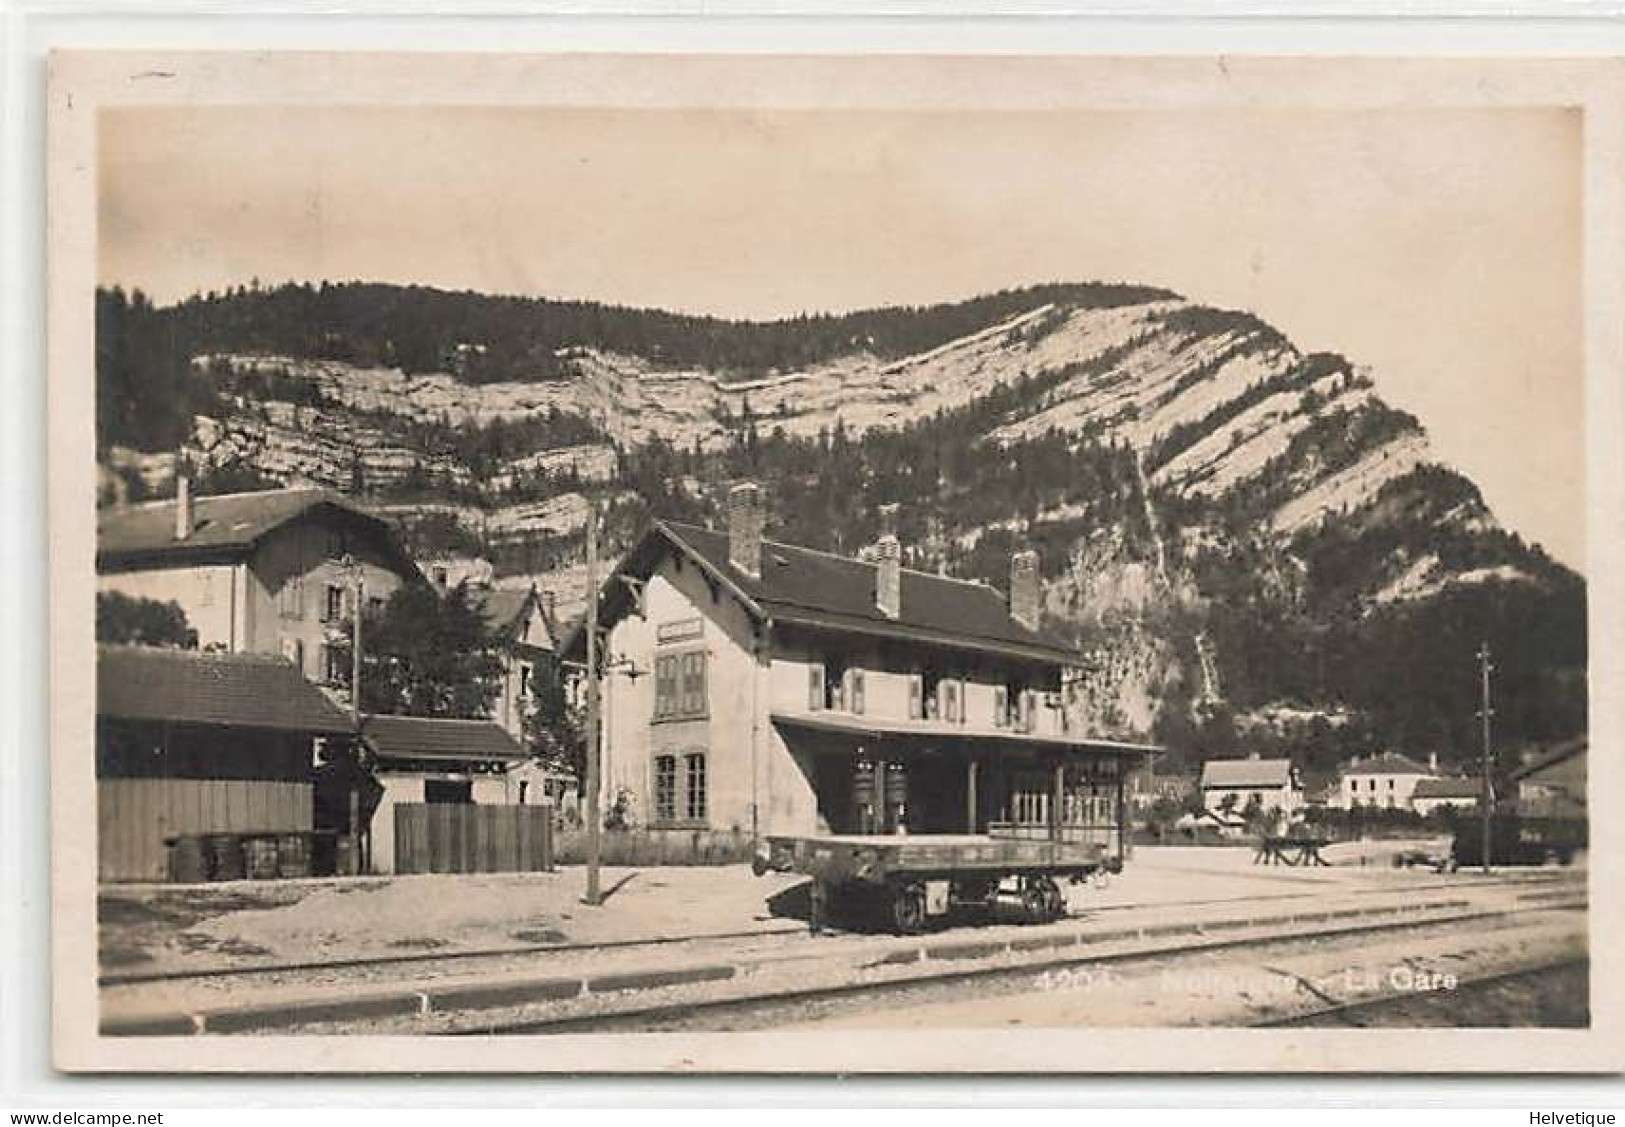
[(1387, 763), (1246, 772), (224, 527), (504, 609), (422, 737), (807, 587), (185, 686), (1446, 788)]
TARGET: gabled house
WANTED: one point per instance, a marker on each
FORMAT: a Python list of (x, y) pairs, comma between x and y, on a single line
[(1233, 785), (763, 687), (522, 619), (273, 572), (1385, 780)]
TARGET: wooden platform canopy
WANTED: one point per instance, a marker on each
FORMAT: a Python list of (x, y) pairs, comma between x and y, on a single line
[(889, 776)]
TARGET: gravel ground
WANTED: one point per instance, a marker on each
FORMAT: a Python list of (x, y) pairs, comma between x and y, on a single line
[(847, 960), (162, 929)]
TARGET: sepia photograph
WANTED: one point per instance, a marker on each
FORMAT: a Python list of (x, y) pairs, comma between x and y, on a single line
[(823, 555)]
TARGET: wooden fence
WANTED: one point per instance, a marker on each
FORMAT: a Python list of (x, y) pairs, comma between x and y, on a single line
[(659, 847), (134, 816), (447, 837)]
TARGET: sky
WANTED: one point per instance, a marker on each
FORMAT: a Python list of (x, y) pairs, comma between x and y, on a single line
[(1441, 248)]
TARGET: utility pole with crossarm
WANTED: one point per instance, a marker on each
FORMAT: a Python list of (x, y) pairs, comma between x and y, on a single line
[(1486, 790)]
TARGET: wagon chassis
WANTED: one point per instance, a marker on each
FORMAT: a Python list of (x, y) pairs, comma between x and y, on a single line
[(901, 883)]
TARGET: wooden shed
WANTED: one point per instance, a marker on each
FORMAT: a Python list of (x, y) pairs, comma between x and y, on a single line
[(200, 743)]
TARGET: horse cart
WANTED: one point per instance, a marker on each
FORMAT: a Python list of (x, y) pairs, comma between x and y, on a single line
[(902, 882)]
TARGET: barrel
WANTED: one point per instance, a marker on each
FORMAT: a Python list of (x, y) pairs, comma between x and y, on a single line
[(293, 855), (187, 861), (225, 854), (865, 798), (260, 858), (896, 785)]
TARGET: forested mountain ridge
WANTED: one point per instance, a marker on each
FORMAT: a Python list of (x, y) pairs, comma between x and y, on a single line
[(1235, 532)]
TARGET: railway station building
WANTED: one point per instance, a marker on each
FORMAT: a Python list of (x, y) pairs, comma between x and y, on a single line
[(760, 687)]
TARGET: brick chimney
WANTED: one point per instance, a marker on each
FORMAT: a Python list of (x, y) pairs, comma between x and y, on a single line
[(745, 528), (889, 565), (185, 515), (1024, 588)]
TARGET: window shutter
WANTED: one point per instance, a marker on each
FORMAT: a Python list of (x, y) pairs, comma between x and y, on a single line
[(815, 688), (665, 689), (694, 683), (1001, 706), (916, 697), (964, 701), (856, 694), (1029, 710)]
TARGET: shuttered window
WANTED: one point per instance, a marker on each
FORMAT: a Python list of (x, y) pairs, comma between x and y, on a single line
[(854, 695), (680, 686), (916, 697), (1001, 706), (665, 796), (815, 688)]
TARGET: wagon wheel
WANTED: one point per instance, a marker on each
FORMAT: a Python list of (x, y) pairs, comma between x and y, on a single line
[(908, 909), (1034, 900), (1054, 899)]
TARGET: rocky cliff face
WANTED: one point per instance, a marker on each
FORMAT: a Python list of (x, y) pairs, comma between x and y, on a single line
[(1258, 471)]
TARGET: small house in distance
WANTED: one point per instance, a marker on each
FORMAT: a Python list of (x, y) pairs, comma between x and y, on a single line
[(1432, 795), (1386, 780), (1552, 783), (1235, 784), (272, 572), (200, 743)]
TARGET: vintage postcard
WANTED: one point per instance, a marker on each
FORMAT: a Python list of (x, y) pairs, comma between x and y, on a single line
[(607, 563)]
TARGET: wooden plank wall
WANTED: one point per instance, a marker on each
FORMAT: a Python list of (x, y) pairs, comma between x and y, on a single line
[(133, 816), (445, 837)]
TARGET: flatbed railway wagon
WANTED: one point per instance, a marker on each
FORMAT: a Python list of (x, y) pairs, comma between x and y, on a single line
[(901, 882)]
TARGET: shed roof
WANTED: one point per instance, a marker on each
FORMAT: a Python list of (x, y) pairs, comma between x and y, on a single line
[(1557, 753), (226, 527), (1455, 787), (1385, 763), (820, 590), (424, 737), (1247, 773), (234, 690)]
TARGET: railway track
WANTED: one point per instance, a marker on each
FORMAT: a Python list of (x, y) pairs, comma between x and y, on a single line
[(1369, 1012), (435, 963), (795, 1005)]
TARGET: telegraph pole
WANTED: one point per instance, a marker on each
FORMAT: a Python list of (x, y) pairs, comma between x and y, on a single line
[(593, 828), (353, 566), (1486, 791)]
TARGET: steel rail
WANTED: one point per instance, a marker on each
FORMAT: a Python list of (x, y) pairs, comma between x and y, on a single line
[(769, 1001)]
